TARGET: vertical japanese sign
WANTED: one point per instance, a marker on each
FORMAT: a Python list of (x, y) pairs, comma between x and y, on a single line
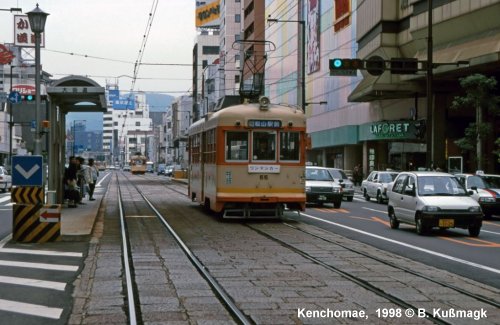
[(23, 36), (313, 36)]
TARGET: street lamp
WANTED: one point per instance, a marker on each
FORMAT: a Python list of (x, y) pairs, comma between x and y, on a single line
[(37, 20), (302, 56)]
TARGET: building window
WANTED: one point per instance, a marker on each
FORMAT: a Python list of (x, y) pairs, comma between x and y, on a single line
[(342, 14), (207, 50), (237, 18), (137, 123), (204, 64), (237, 78)]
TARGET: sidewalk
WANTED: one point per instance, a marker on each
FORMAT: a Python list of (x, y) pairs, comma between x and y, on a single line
[(77, 223)]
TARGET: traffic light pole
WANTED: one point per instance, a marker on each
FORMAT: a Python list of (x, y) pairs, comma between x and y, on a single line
[(430, 111)]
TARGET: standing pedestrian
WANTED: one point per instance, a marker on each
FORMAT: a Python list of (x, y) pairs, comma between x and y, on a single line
[(94, 172)]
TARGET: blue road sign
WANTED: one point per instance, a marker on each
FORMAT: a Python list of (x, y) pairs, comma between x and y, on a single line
[(27, 170), (15, 97)]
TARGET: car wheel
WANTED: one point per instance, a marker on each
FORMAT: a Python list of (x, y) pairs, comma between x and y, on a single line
[(487, 217), (474, 230), (379, 198), (337, 204), (393, 221), (421, 228), (349, 199), (367, 197)]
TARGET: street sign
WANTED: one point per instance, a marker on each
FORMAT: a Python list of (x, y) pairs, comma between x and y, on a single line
[(15, 97), (27, 170)]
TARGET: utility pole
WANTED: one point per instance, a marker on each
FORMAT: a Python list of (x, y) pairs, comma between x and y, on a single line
[(430, 108)]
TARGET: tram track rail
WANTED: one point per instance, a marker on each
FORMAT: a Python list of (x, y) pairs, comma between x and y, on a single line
[(133, 309)]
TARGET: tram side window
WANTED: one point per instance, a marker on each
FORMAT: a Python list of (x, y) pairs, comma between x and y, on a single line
[(264, 145), (290, 146), (237, 146)]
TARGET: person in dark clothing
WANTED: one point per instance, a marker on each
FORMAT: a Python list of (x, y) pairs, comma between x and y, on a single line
[(70, 184)]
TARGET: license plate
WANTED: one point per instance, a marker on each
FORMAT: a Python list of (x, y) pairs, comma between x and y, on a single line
[(446, 223), (322, 198)]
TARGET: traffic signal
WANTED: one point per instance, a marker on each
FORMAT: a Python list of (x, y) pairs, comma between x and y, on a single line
[(420, 129), (404, 65), (346, 64), (28, 98), (345, 67)]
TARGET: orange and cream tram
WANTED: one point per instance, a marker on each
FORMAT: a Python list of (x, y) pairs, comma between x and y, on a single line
[(248, 160), (138, 163)]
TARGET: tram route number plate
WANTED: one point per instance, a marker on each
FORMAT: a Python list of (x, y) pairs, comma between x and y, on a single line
[(447, 223)]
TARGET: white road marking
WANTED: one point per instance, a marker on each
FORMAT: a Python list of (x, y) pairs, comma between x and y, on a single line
[(491, 232), (102, 179), (375, 210), (33, 283), (5, 198), (39, 252), (455, 259), (30, 309), (56, 267)]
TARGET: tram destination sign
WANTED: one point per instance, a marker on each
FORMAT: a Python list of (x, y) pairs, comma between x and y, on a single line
[(264, 123)]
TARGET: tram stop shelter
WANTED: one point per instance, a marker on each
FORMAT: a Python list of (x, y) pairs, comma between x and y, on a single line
[(68, 94)]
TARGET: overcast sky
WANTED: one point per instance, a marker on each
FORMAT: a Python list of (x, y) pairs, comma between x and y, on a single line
[(113, 31)]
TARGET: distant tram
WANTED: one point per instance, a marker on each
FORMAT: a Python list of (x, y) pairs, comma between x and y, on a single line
[(138, 163), (248, 160)]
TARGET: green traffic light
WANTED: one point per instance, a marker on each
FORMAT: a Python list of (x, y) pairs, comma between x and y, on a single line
[(29, 97), (337, 63)]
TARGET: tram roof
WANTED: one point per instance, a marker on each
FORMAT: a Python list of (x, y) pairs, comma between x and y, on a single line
[(244, 112)]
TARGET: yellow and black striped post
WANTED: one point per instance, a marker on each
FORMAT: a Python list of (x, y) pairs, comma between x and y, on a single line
[(34, 222)]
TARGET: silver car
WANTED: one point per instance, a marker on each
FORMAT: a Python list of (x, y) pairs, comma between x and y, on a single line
[(341, 178), (5, 179), (375, 185), (432, 199)]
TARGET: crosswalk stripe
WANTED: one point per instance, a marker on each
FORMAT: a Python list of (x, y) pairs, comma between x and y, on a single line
[(30, 309), (5, 198), (33, 283), (37, 252), (56, 267)]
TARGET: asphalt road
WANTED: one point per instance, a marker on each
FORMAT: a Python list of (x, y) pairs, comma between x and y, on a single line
[(452, 249)]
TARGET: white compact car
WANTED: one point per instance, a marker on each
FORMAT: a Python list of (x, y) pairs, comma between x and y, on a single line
[(375, 185), (5, 179), (433, 199)]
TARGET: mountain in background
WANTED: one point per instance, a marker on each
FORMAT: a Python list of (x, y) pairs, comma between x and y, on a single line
[(93, 121)]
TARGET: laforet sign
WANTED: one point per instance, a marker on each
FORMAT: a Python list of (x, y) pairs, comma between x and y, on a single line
[(387, 130)]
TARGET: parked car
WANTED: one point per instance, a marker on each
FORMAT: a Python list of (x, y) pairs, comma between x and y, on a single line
[(341, 178), (321, 187), (376, 184), (126, 168), (432, 199), (5, 179), (483, 192), (161, 169)]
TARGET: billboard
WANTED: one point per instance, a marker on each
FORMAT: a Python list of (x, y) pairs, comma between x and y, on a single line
[(207, 13), (120, 102), (23, 36)]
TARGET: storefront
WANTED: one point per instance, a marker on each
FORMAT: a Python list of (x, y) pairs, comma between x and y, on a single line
[(392, 144)]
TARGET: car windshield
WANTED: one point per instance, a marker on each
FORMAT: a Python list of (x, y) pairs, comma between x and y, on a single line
[(476, 181), (337, 174), (387, 177), (313, 174), (434, 185)]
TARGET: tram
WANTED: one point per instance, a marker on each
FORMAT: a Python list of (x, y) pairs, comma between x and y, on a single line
[(248, 160), (138, 163)]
